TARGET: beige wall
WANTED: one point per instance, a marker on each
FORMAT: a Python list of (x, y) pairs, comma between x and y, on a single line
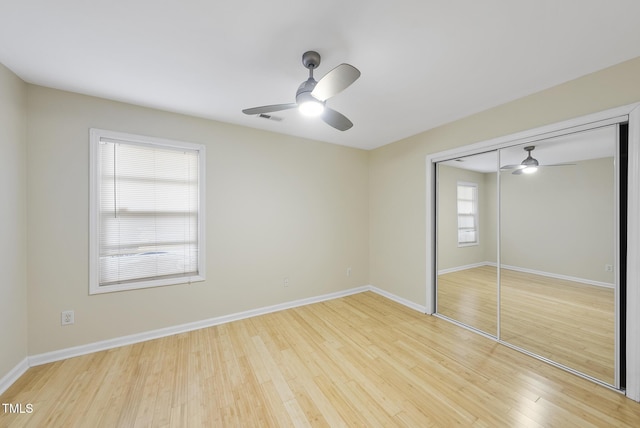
[(560, 220), (277, 207), (13, 232), (397, 171)]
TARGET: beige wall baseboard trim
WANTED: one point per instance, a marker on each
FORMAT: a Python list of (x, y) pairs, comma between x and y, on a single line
[(13, 375)]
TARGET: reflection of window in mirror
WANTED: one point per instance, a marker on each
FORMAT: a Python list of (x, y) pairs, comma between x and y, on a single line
[(467, 214)]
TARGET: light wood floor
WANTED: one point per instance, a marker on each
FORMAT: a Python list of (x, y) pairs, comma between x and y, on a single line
[(470, 297), (361, 360), (568, 322)]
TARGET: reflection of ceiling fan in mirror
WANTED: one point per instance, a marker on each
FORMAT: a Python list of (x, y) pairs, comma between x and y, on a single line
[(530, 164)]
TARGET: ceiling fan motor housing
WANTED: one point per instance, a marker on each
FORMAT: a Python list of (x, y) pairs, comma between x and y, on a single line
[(530, 161), (311, 59)]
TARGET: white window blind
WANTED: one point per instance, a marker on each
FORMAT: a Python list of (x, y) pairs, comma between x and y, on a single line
[(147, 214), (467, 214)]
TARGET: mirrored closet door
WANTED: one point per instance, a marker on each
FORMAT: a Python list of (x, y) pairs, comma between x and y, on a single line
[(558, 250), (467, 288), (526, 248)]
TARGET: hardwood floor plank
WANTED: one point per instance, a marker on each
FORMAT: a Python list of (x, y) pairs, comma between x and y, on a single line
[(361, 360), (316, 405)]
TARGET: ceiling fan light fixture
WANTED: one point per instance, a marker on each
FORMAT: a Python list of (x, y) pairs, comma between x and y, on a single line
[(312, 95), (311, 108), (530, 164), (307, 103)]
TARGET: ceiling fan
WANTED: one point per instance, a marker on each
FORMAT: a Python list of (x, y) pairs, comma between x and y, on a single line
[(312, 95), (530, 164)]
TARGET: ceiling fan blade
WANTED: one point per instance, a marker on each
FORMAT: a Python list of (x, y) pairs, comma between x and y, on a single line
[(269, 109), (335, 119), (521, 170), (512, 166), (335, 81)]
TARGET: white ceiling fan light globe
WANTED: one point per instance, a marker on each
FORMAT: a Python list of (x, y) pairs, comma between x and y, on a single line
[(309, 105), (311, 108), (530, 169)]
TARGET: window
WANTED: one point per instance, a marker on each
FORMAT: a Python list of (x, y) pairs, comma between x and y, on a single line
[(147, 212), (467, 214)]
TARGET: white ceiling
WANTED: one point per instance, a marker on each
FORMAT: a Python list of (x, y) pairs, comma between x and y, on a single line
[(423, 62)]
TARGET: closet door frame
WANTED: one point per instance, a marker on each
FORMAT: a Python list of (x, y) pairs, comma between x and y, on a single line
[(626, 114)]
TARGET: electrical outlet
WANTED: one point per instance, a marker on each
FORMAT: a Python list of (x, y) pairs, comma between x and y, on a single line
[(348, 271), (286, 281), (608, 268), (67, 318)]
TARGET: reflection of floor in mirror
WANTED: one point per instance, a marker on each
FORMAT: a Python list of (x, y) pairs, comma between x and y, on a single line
[(470, 296), (565, 321)]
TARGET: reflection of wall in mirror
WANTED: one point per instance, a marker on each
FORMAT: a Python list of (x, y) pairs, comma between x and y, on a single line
[(560, 220), (450, 255)]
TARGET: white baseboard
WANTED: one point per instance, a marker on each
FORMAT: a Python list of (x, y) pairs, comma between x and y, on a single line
[(62, 354), (465, 267), (527, 270), (398, 299), (8, 380), (559, 276)]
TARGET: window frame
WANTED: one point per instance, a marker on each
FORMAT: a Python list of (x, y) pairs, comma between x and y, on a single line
[(95, 136), (475, 214)]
